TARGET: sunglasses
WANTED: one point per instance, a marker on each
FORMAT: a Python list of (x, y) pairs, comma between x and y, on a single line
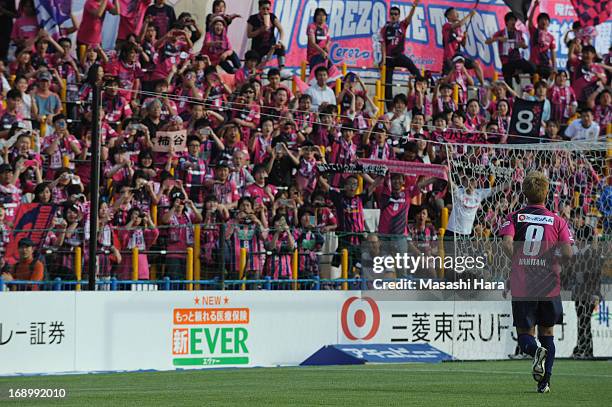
[(395, 14)]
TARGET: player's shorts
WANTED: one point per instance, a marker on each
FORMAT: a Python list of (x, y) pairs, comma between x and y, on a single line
[(527, 314), (448, 64)]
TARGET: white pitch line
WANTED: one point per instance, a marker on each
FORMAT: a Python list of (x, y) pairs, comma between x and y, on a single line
[(528, 372)]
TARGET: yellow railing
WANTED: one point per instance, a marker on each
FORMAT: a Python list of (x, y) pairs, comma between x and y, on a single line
[(78, 267), (344, 268)]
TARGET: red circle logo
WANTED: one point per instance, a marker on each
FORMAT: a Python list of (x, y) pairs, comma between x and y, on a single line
[(360, 315), (521, 217)]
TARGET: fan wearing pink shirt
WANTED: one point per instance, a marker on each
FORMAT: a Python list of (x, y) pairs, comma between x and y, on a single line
[(259, 192), (260, 145), (509, 43), (319, 40), (562, 98), (473, 119), (60, 144), (26, 25), (132, 18), (246, 113), (180, 217), (250, 70), (585, 74), (141, 233), (543, 45), (127, 69), (453, 38), (459, 75), (222, 187), (218, 47), (90, 31)]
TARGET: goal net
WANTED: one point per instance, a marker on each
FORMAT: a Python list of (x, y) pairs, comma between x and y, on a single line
[(579, 177)]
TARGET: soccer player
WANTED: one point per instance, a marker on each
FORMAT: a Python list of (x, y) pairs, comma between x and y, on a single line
[(393, 39), (537, 241)]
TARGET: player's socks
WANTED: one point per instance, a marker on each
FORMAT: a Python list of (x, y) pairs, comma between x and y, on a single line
[(548, 342), (538, 369), (528, 344)]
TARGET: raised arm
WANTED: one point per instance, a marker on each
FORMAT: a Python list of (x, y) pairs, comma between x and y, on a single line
[(101, 9), (531, 25), (408, 19), (463, 20), (116, 8)]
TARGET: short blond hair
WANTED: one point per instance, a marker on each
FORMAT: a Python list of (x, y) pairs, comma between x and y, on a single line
[(535, 187)]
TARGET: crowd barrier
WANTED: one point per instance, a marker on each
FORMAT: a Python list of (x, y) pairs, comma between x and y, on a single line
[(56, 332)]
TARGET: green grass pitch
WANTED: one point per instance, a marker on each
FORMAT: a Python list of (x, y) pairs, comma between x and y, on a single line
[(507, 383)]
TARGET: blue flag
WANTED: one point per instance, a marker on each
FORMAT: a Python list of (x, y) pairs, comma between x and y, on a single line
[(51, 14)]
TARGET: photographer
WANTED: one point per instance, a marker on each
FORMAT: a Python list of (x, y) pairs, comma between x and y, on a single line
[(281, 243), (144, 195), (247, 230), (58, 145), (186, 19), (193, 170), (140, 232), (215, 215), (180, 218)]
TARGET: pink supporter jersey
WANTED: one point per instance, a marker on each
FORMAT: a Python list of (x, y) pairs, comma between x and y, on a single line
[(537, 234), (90, 30), (24, 28)]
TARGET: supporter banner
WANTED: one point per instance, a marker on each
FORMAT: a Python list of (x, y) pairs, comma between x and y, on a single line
[(52, 14), (374, 169), (409, 168), (32, 220), (164, 140), (525, 121), (354, 27), (51, 332)]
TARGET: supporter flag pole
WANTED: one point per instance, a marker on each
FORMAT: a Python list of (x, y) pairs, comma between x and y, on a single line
[(94, 191)]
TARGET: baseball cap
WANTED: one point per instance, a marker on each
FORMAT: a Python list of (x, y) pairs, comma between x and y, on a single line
[(458, 58), (44, 76), (26, 241), (218, 19), (177, 195), (351, 77)]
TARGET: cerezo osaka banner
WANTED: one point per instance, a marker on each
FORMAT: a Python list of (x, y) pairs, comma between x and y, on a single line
[(355, 25)]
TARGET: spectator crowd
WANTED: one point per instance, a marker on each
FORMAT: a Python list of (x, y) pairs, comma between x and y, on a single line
[(246, 163)]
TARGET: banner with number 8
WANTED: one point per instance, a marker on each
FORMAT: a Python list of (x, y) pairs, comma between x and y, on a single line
[(525, 122)]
